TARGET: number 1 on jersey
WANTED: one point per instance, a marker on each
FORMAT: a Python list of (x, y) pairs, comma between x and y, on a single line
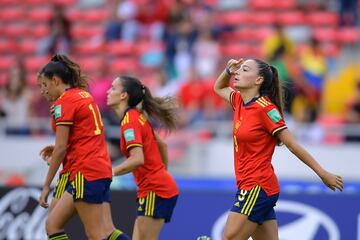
[(97, 130)]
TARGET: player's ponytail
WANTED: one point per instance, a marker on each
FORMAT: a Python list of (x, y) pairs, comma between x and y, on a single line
[(69, 71), (271, 85), (161, 110)]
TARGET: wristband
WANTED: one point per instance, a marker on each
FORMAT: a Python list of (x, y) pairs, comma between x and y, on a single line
[(228, 71)]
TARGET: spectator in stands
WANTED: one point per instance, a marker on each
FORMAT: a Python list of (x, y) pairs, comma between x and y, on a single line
[(15, 100), (353, 113), (60, 39), (122, 24), (258, 127), (314, 68), (275, 41), (206, 54), (348, 12)]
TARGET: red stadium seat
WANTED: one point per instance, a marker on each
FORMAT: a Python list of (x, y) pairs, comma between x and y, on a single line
[(34, 64), (74, 15), (291, 18), (331, 49), (325, 34), (146, 46), (36, 2), (89, 48), (7, 46), (40, 14), (15, 30), (123, 66), (120, 48), (11, 13), (64, 2), (259, 34), (263, 18), (262, 4), (94, 15), (80, 31), (236, 50), (27, 47), (233, 18), (89, 64), (348, 35), (6, 63), (329, 19), (3, 79), (285, 4), (40, 31)]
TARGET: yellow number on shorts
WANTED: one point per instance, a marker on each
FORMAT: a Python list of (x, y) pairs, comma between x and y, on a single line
[(242, 195)]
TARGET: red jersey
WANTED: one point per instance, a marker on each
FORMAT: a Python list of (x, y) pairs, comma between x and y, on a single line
[(87, 150), (255, 124), (65, 162), (136, 131)]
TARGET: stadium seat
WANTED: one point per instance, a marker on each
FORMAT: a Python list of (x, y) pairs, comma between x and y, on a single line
[(7, 46), (259, 34), (65, 2), (348, 35), (285, 4), (236, 50), (16, 30), (40, 31), (27, 47), (325, 34), (263, 18), (3, 79), (120, 48), (34, 64), (261, 4), (89, 64), (74, 15), (143, 47), (328, 19), (291, 18), (36, 2), (6, 62), (94, 15), (11, 13), (81, 31), (88, 48), (233, 18), (123, 66), (40, 14)]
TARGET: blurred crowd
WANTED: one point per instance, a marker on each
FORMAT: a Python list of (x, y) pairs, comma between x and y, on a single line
[(178, 47)]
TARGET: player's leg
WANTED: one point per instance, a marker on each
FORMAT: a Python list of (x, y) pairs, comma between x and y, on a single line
[(59, 216), (238, 227), (153, 212), (109, 228), (148, 228), (89, 214), (267, 231)]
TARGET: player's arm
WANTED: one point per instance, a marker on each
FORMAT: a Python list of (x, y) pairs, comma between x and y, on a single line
[(46, 153), (62, 136), (163, 148), (222, 84), (135, 160), (329, 179)]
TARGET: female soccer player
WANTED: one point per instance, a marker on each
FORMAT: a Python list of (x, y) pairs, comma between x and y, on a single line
[(258, 127), (79, 137), (145, 154)]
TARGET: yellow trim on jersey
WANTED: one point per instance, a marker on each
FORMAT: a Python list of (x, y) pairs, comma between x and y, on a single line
[(64, 123), (61, 185), (230, 99), (266, 102), (260, 103), (253, 200), (126, 119), (134, 145), (278, 129), (142, 119)]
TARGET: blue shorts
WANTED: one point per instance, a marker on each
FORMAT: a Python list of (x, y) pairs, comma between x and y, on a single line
[(255, 204), (61, 185), (96, 191), (156, 207)]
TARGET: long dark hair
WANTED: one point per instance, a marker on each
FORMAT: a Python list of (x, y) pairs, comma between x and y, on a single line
[(271, 85), (66, 69), (161, 110)]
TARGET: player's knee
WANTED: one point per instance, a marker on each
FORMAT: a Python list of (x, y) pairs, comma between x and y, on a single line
[(51, 226)]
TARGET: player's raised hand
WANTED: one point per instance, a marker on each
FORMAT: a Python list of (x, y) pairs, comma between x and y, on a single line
[(44, 197), (332, 181), (46, 153), (234, 65)]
